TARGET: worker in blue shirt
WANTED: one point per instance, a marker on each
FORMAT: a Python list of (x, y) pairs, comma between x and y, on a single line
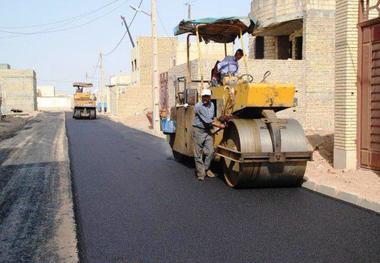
[(204, 121), (230, 65)]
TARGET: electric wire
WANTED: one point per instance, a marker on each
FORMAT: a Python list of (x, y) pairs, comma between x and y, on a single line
[(162, 23), (96, 68), (80, 16), (125, 33), (117, 45), (64, 29), (134, 16)]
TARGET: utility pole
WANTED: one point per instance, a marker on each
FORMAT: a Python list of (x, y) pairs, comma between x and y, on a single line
[(188, 3), (155, 73), (101, 81), (129, 32), (155, 77), (188, 10)]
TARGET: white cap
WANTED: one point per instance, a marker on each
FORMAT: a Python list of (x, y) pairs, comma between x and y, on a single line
[(206, 92)]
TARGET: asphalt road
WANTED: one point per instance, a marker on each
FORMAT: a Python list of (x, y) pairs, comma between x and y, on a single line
[(134, 203)]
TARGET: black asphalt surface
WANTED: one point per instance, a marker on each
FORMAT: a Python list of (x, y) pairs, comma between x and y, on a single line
[(134, 203)]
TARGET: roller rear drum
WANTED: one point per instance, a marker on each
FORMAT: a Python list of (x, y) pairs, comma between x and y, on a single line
[(247, 139)]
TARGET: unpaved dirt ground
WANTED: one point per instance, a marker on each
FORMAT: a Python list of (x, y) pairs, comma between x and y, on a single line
[(36, 209), (363, 183), (10, 124)]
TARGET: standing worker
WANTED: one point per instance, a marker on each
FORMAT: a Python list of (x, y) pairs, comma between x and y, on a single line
[(203, 140)]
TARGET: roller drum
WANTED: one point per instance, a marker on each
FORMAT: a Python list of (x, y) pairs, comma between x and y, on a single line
[(253, 136)]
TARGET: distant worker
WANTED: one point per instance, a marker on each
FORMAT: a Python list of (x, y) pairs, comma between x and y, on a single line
[(203, 140)]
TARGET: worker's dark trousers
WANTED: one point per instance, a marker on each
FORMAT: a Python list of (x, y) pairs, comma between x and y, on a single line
[(203, 147)]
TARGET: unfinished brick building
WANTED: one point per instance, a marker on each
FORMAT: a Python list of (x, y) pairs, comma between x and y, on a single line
[(135, 97), (295, 40)]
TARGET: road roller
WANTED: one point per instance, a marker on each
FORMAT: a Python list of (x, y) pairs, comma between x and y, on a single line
[(84, 101), (257, 148)]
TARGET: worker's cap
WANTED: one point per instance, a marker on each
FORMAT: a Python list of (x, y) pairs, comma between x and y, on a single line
[(206, 92)]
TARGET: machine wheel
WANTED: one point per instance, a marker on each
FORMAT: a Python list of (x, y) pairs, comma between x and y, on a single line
[(249, 136), (77, 114), (177, 156), (92, 114)]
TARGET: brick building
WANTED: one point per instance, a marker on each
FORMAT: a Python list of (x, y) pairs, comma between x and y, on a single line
[(118, 100), (295, 40), (135, 97)]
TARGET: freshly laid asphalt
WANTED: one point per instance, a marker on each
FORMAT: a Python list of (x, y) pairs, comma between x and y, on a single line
[(134, 203)]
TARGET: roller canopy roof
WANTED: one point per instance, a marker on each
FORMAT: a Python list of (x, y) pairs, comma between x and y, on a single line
[(82, 84), (220, 30)]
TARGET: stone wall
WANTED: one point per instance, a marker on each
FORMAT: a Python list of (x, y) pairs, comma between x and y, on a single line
[(18, 89)]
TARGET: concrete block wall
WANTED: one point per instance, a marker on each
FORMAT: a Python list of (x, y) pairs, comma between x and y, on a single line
[(288, 71), (18, 89), (45, 91), (143, 55), (274, 11), (346, 88), (5, 66), (214, 51), (114, 99), (285, 71), (171, 52), (55, 103), (319, 4), (180, 71), (120, 79), (318, 52), (135, 101), (270, 47), (319, 56)]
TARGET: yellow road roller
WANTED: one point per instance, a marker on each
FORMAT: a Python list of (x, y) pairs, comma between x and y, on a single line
[(256, 149), (84, 101)]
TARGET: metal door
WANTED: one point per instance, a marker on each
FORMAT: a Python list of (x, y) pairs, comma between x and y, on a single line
[(369, 93)]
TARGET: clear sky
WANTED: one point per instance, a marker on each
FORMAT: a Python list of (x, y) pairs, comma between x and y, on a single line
[(65, 55)]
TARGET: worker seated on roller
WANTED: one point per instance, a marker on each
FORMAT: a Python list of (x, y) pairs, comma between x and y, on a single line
[(228, 66)]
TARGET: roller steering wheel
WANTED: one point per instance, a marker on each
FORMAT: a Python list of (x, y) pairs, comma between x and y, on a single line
[(248, 76)]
